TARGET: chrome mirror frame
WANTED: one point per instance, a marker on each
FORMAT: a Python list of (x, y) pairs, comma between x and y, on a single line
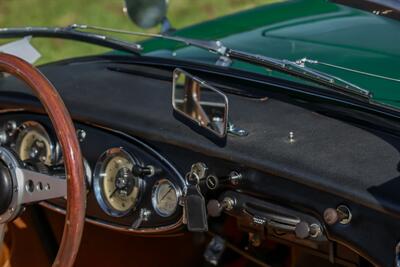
[(203, 84)]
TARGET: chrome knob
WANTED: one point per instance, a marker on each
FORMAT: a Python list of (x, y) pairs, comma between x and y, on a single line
[(215, 208)]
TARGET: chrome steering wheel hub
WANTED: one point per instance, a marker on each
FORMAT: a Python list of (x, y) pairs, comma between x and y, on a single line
[(24, 186)]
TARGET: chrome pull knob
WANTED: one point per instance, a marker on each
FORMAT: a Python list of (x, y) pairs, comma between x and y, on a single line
[(341, 214), (215, 208), (304, 230)]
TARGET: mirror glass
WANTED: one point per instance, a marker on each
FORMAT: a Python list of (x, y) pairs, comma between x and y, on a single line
[(200, 102), (146, 13)]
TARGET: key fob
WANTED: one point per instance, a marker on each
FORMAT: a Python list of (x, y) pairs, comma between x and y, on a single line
[(195, 210)]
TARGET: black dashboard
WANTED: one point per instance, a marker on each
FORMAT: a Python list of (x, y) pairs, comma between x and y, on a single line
[(329, 163)]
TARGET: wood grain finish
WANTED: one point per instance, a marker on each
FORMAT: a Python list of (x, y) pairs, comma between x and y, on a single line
[(65, 131)]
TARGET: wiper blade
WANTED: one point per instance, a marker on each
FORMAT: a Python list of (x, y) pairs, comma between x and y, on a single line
[(71, 34), (296, 69)]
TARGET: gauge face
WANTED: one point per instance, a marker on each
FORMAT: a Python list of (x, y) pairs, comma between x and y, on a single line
[(117, 190), (34, 143), (165, 198)]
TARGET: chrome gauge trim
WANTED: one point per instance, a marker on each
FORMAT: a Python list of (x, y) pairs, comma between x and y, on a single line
[(28, 127), (98, 178), (154, 198)]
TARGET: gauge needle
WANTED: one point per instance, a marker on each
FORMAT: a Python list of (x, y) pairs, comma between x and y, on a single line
[(166, 193), (112, 194)]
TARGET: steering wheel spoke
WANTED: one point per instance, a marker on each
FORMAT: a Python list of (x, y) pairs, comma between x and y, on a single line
[(39, 186)]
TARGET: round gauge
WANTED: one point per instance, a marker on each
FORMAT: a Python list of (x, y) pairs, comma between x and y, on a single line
[(116, 189), (165, 198), (34, 143)]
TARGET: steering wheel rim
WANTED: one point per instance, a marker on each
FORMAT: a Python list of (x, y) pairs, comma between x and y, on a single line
[(73, 160)]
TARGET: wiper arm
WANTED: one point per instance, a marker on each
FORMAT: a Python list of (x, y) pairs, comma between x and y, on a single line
[(296, 69), (212, 46), (71, 34)]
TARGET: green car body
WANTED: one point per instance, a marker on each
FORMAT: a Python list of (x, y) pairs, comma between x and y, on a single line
[(315, 29)]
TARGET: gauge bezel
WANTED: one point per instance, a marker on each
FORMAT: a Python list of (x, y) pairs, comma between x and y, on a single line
[(25, 127), (98, 181), (154, 200)]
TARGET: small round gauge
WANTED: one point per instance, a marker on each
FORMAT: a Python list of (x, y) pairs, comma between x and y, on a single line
[(165, 198), (116, 189), (34, 143)]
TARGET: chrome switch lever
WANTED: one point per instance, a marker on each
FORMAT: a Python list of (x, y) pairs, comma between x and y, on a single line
[(144, 216)]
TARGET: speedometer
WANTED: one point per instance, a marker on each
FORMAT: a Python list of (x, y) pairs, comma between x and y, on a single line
[(34, 143), (116, 189)]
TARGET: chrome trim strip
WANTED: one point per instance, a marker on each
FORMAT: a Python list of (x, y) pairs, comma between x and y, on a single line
[(172, 229)]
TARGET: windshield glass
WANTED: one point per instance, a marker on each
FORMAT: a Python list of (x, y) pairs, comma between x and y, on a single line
[(319, 30), (106, 13)]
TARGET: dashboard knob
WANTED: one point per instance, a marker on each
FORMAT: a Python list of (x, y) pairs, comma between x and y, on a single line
[(341, 214), (304, 230), (140, 171), (331, 216), (214, 208)]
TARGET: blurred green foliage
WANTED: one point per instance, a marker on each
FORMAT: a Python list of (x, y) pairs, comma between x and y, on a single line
[(108, 13)]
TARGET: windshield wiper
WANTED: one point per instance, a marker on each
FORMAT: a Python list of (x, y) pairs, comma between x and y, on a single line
[(72, 34), (79, 32), (296, 69)]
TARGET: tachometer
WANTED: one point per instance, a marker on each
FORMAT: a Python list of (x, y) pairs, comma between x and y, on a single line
[(34, 143), (117, 190), (165, 198)]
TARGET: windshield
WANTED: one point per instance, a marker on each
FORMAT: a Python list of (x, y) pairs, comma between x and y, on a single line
[(107, 13), (317, 30)]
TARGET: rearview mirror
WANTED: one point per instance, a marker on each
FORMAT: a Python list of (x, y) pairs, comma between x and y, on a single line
[(146, 13), (200, 102)]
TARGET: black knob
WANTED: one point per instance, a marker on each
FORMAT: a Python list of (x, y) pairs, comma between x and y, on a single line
[(302, 230), (140, 171), (214, 208)]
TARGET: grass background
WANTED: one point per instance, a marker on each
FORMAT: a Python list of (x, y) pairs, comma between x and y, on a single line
[(108, 13)]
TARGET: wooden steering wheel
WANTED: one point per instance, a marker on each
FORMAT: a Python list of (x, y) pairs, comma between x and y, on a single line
[(19, 185)]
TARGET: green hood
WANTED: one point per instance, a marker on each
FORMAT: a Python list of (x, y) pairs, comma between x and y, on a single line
[(315, 29)]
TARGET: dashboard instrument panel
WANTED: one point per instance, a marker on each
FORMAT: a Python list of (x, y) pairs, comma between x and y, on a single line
[(132, 187)]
